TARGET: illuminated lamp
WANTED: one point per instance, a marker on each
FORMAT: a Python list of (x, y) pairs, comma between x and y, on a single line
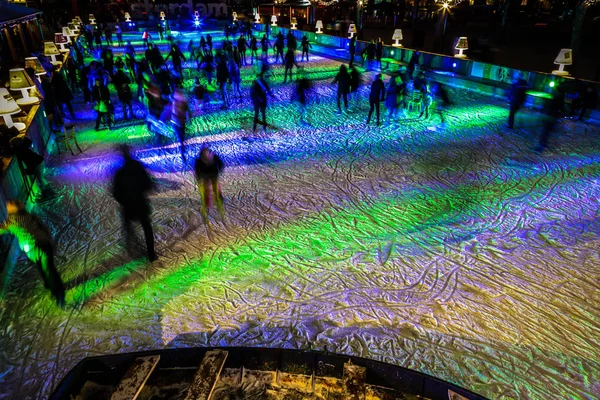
[(397, 36), (51, 51), (565, 57), (92, 19), (294, 22), (273, 20), (33, 62), (351, 31), (74, 29), (461, 46), (9, 107), (127, 17), (61, 41), (319, 26), (257, 18), (20, 80), (162, 16), (234, 16)]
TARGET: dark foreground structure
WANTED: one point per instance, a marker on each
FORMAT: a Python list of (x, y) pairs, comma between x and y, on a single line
[(248, 373)]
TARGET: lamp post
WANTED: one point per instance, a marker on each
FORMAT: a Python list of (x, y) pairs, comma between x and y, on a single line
[(359, 5)]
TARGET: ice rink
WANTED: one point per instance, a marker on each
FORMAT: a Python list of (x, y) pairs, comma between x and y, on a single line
[(454, 250)]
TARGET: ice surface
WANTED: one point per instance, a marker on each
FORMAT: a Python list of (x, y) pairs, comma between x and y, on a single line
[(454, 251)]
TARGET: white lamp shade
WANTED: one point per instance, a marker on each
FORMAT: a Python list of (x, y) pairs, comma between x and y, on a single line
[(319, 24), (66, 31), (162, 15), (273, 18), (72, 27), (565, 57), (8, 105), (352, 28), (33, 62), (19, 79), (59, 38), (294, 20), (50, 49), (397, 34), (234, 15), (462, 44), (127, 17)]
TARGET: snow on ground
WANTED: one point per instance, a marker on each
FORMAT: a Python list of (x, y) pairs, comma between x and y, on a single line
[(452, 250)]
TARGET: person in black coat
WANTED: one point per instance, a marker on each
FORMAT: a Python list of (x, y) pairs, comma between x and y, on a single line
[(207, 168), (36, 242), (258, 94), (253, 49), (279, 46), (303, 85), (414, 61), (305, 44), (131, 185), (343, 81), (51, 103), (517, 96), (290, 61), (62, 90), (121, 82), (32, 162), (376, 95), (177, 56), (355, 80), (242, 45), (553, 112), (352, 50), (379, 51), (222, 78)]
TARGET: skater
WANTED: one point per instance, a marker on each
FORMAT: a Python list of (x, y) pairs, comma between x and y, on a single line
[(191, 49), (207, 168), (305, 46), (391, 99), (22, 148), (264, 44), (108, 35), (379, 51), (414, 61), (553, 112), (119, 34), (426, 101), (121, 82), (101, 97), (35, 241), (352, 50), (517, 96), (253, 49), (242, 44), (258, 94), (355, 81), (176, 55), (209, 42), (292, 43), (303, 85), (371, 48), (179, 117), (376, 95), (279, 46), (63, 93), (289, 64), (343, 81), (146, 38), (131, 185), (222, 78), (235, 78), (586, 100), (209, 66), (98, 37)]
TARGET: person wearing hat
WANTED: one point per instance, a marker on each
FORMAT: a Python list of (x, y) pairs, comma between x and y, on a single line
[(35, 241)]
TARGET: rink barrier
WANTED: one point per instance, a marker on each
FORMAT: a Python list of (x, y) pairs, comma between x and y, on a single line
[(485, 78), (16, 184)]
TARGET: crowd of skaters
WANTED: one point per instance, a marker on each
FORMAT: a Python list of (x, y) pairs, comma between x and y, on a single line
[(160, 87)]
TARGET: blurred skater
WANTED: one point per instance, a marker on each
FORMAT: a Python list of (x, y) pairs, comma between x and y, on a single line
[(517, 96), (131, 185), (303, 85), (35, 241), (207, 168), (258, 94), (553, 112), (179, 117)]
